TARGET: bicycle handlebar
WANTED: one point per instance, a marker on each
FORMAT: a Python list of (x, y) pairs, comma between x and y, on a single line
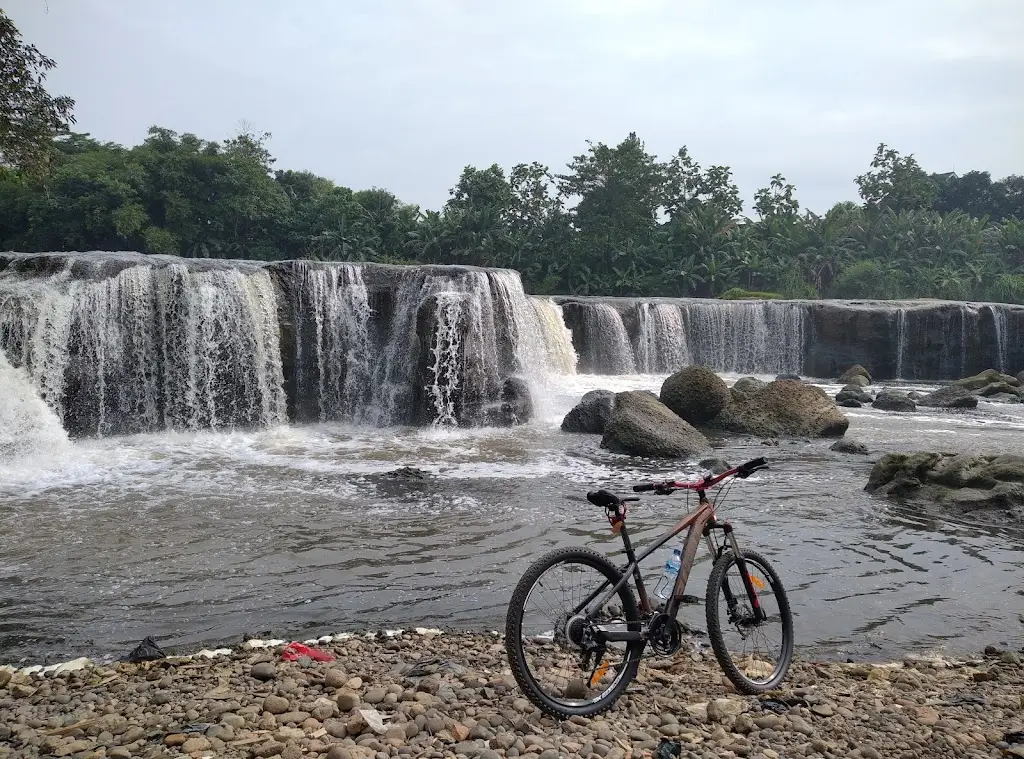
[(743, 471)]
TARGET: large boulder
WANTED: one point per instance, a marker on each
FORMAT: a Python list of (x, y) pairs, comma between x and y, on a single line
[(641, 425), (856, 375), (591, 414), (962, 481), (784, 408), (894, 400), (997, 388), (695, 393), (746, 386), (987, 377), (853, 393), (951, 396), (1020, 378)]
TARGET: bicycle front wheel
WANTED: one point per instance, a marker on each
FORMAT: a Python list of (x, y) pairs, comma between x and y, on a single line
[(551, 647), (755, 654)]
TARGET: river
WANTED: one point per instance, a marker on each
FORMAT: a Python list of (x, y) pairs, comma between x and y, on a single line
[(298, 531)]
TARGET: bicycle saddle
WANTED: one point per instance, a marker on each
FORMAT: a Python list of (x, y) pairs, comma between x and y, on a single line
[(603, 499)]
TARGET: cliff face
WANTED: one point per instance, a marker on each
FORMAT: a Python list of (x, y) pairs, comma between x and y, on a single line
[(927, 340), (124, 343)]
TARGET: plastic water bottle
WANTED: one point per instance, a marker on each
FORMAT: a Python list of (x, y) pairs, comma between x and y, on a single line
[(668, 577)]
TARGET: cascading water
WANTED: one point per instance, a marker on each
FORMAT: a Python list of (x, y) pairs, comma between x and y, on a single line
[(556, 337), (746, 337), (604, 345), (901, 340), (334, 353), (999, 325), (661, 340), (449, 322), (445, 363), (149, 347), (28, 426)]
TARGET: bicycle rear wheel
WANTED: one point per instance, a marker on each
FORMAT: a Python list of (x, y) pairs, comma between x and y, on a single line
[(755, 655), (551, 648)]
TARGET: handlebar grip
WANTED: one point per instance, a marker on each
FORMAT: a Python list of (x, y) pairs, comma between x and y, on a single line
[(643, 488)]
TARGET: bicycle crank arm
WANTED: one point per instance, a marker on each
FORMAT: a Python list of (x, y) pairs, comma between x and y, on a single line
[(618, 636)]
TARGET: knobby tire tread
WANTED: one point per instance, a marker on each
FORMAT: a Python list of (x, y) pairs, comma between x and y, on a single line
[(722, 654), (513, 631)]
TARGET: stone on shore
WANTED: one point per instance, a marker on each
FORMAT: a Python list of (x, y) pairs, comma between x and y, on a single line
[(452, 695)]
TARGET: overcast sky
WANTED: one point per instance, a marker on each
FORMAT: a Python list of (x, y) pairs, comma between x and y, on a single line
[(403, 94)]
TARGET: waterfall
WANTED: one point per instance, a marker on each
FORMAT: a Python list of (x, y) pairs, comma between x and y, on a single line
[(901, 340), (334, 354), (150, 347), (661, 340), (445, 332), (999, 325), (28, 426), (445, 364), (760, 337), (562, 356), (602, 340)]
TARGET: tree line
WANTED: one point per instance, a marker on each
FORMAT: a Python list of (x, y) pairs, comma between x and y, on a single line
[(616, 221)]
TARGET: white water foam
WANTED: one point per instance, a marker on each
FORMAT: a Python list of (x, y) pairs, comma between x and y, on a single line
[(30, 431)]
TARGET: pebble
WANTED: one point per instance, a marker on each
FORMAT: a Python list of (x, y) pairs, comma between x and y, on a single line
[(466, 703), (263, 671), (276, 704), (335, 678)]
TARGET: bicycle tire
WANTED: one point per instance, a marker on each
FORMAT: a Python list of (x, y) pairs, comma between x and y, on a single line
[(514, 639), (743, 683)]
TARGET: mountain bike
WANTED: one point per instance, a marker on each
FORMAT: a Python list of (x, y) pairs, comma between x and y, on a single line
[(582, 647)]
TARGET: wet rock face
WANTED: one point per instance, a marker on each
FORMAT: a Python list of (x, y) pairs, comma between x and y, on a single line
[(959, 481), (641, 425), (784, 408), (591, 414)]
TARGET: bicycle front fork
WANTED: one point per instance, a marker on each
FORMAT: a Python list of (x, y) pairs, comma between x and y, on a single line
[(741, 564)]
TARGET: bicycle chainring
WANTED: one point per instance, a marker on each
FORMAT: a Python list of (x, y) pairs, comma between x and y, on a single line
[(664, 635)]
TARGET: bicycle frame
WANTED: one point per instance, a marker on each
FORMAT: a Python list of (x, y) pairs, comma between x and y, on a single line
[(699, 524)]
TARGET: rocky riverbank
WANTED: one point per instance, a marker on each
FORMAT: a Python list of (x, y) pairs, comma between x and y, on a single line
[(423, 694)]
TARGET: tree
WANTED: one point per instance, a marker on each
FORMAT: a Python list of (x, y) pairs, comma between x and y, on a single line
[(29, 116), (895, 183)]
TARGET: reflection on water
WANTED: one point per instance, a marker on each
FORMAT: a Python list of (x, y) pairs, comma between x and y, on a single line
[(299, 531)]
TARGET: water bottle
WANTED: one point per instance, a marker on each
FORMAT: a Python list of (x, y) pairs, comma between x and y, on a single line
[(668, 577)]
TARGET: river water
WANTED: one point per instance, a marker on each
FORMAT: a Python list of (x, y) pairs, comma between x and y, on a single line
[(298, 531)]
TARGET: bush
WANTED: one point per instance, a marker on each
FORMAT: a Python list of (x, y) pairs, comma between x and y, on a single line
[(738, 293)]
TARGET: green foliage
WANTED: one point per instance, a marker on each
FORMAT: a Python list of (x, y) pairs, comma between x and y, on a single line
[(618, 221), (738, 293), (29, 116)]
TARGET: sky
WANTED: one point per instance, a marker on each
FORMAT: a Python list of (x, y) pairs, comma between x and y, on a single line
[(403, 94)]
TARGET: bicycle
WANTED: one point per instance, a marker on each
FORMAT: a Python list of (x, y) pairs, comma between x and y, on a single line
[(578, 638)]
